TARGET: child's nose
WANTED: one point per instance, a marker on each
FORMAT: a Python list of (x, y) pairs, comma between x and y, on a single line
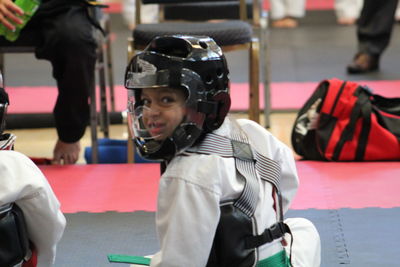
[(154, 110)]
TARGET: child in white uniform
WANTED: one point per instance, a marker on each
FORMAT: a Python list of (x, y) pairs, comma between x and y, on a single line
[(226, 183), (24, 185)]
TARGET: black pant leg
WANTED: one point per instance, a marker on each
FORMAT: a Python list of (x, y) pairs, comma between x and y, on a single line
[(375, 25), (69, 45)]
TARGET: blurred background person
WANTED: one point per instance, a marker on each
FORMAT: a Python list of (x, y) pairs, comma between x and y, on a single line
[(347, 11), (149, 13), (285, 13), (374, 30)]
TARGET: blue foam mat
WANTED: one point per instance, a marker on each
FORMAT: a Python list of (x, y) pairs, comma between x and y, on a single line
[(349, 237), (112, 151)]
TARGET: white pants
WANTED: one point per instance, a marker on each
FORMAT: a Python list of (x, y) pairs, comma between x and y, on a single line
[(287, 8), (306, 248), (352, 9), (149, 13), (348, 8)]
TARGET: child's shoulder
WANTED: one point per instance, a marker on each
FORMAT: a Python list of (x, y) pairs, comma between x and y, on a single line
[(203, 170), (10, 158), (261, 139), (249, 125)]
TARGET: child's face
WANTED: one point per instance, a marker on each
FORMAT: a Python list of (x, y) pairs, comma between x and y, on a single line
[(163, 111)]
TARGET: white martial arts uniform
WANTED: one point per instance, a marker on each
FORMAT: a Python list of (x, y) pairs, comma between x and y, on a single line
[(348, 8), (193, 186), (397, 14), (149, 12), (22, 182), (352, 9), (287, 8)]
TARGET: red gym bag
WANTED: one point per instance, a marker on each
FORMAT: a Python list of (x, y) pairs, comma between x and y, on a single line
[(344, 121)]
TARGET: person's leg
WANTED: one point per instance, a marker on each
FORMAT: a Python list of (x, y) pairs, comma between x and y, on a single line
[(374, 29), (397, 15), (278, 9), (128, 13), (306, 247), (375, 26), (70, 47), (347, 11), (279, 14), (296, 8), (149, 13)]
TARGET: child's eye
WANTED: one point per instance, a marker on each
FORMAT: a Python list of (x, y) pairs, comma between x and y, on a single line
[(167, 100), (146, 102)]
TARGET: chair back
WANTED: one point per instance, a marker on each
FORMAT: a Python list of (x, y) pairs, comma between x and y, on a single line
[(202, 10)]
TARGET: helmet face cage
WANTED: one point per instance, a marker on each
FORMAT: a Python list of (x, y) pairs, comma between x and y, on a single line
[(3, 112), (185, 134), (6, 139), (194, 65), (3, 106)]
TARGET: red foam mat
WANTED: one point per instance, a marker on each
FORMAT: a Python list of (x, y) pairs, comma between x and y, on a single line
[(105, 187), (334, 185), (284, 96), (132, 187), (310, 5)]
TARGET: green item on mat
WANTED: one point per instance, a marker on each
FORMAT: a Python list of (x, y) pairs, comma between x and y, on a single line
[(279, 259), (129, 259)]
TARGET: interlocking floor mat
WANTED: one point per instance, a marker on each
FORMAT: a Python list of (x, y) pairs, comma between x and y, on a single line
[(110, 209), (349, 237)]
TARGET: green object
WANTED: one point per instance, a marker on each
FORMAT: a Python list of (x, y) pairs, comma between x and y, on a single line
[(280, 259), (129, 259), (29, 7)]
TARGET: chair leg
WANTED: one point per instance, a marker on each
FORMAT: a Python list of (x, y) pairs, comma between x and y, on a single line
[(267, 78), (254, 76), (110, 65), (130, 145), (131, 49), (104, 117), (93, 124)]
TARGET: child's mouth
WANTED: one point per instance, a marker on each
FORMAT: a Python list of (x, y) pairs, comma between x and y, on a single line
[(156, 128)]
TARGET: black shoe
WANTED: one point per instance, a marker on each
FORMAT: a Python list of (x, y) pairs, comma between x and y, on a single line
[(363, 63)]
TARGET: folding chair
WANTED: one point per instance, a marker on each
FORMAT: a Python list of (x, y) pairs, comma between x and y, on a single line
[(230, 35), (230, 10), (103, 48)]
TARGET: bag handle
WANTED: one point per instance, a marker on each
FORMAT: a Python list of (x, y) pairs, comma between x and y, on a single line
[(362, 109), (387, 105)]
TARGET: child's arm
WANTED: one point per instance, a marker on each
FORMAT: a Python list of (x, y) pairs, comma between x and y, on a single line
[(23, 183), (289, 177), (187, 218)]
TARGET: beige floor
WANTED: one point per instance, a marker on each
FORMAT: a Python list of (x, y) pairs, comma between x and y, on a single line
[(40, 142)]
